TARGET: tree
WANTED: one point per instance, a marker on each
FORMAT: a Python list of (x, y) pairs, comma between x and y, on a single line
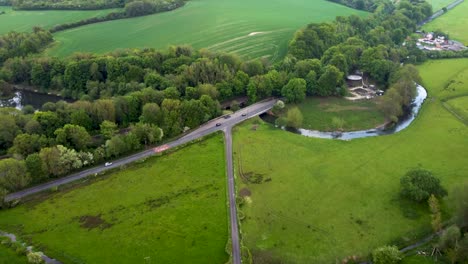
[(461, 205), (108, 129), (278, 107), (8, 131), (387, 255), (295, 90), (449, 238), (25, 144), (147, 134), (294, 118), (330, 82), (73, 136), (3, 194), (151, 114), (81, 118), (419, 184), (49, 122), (13, 174), (50, 159), (35, 167), (436, 217), (114, 146)]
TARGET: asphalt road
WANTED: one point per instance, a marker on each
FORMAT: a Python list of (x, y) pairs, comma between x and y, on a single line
[(225, 125), (236, 253)]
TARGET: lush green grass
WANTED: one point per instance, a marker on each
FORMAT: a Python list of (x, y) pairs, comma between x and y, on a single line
[(8, 256), (23, 21), (439, 4), (357, 115), (169, 209), (460, 107), (220, 25), (328, 199), (418, 260), (454, 23)]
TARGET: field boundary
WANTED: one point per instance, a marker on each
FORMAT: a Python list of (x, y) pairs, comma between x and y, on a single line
[(440, 12)]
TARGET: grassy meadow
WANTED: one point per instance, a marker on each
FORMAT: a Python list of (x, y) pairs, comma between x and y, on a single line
[(357, 115), (328, 199), (454, 23), (24, 21), (439, 4), (8, 256), (253, 29), (168, 209)]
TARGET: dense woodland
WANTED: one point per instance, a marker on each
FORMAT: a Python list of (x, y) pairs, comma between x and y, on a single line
[(132, 98)]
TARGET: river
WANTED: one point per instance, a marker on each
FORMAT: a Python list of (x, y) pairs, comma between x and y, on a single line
[(22, 98), (402, 124)]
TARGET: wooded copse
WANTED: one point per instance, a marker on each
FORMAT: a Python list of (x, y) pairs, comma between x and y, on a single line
[(159, 94)]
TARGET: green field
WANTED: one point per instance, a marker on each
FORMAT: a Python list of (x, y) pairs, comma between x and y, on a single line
[(8, 256), (328, 199), (169, 209), (460, 107), (25, 20), (454, 23), (357, 115), (249, 28), (439, 4)]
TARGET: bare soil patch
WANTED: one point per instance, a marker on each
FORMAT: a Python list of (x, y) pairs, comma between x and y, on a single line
[(91, 222)]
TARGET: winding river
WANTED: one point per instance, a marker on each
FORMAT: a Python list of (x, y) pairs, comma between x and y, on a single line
[(402, 124)]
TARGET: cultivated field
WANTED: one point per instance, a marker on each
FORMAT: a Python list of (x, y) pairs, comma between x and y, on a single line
[(250, 28), (327, 199), (358, 115), (23, 21), (454, 23), (169, 209)]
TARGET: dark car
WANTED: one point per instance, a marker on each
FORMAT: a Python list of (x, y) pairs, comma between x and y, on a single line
[(244, 114), (227, 116), (218, 124)]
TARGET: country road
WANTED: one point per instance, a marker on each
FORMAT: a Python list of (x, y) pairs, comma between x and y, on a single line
[(225, 125), (236, 254)]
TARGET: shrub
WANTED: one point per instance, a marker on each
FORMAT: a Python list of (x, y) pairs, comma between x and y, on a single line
[(387, 255), (35, 257), (419, 184)]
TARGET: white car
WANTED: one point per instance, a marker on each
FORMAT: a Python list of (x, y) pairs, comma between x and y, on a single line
[(107, 164)]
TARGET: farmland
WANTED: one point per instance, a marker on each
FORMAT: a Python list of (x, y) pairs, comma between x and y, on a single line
[(252, 29), (453, 23), (169, 209), (329, 199), (24, 21)]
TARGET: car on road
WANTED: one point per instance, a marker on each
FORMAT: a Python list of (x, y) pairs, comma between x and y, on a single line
[(244, 114), (218, 124), (107, 164), (227, 116)]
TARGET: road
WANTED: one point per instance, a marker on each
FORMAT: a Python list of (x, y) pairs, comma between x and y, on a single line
[(236, 253), (226, 125)]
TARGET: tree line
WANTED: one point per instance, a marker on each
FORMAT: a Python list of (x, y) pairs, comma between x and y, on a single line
[(15, 44), (131, 9)]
